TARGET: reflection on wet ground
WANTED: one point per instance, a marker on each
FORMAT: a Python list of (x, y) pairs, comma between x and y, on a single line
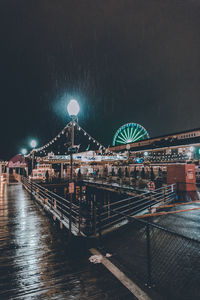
[(36, 261)]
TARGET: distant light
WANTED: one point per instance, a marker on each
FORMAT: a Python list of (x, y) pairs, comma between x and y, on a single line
[(24, 151), (73, 108), (191, 148), (33, 143)]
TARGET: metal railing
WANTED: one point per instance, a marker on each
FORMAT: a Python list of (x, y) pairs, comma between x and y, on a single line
[(58, 206), (96, 217), (119, 211)]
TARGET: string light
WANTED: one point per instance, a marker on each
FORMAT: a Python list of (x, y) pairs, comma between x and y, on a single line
[(41, 149)]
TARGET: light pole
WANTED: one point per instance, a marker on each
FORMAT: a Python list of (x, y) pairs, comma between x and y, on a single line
[(24, 152), (33, 144), (73, 110)]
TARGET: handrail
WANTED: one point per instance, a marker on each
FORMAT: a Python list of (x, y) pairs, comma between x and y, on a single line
[(113, 212), (56, 204)]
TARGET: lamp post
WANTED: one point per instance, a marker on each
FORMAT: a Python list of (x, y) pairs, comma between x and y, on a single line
[(24, 152), (73, 110), (33, 144)]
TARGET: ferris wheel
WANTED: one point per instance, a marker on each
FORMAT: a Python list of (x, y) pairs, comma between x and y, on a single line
[(130, 133)]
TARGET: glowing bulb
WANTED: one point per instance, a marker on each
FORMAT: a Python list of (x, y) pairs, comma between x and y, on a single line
[(73, 108), (191, 148), (24, 151), (33, 143)]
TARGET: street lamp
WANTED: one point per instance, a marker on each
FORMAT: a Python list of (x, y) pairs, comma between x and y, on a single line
[(23, 151), (33, 144), (73, 110)]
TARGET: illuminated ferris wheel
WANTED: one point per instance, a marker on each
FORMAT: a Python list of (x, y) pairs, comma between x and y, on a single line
[(130, 133)]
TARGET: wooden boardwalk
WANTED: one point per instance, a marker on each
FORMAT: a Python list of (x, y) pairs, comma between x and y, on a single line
[(36, 261)]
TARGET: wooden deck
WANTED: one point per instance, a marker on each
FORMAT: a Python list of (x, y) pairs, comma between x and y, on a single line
[(36, 261)]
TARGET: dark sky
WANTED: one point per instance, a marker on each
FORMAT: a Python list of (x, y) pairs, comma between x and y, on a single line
[(124, 60)]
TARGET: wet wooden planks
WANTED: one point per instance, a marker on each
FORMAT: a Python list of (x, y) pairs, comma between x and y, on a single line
[(36, 261)]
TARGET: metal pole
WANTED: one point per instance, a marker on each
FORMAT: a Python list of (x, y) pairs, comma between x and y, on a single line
[(148, 242), (32, 161), (79, 213), (71, 176), (94, 215), (31, 190)]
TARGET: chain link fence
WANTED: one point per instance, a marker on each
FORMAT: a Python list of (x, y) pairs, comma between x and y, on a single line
[(164, 261)]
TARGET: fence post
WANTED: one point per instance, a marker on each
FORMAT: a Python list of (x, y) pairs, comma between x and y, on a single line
[(79, 211), (149, 266)]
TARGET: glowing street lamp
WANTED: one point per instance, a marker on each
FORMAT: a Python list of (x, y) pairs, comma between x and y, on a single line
[(73, 110), (24, 151), (33, 143)]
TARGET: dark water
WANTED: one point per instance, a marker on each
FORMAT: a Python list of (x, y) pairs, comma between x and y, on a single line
[(36, 261)]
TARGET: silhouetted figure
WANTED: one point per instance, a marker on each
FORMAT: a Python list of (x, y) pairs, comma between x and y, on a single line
[(47, 176), (152, 175), (143, 173), (113, 172), (79, 174), (135, 173), (119, 172)]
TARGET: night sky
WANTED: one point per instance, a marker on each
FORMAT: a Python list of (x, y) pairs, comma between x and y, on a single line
[(123, 60)]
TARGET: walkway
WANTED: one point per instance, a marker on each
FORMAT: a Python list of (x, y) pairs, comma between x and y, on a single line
[(36, 261)]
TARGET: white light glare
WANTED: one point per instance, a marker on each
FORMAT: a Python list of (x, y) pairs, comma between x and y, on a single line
[(33, 143), (191, 148), (73, 108), (24, 151)]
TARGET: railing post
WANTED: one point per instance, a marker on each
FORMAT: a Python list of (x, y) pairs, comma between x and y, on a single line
[(99, 210), (148, 249), (31, 190), (94, 215)]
